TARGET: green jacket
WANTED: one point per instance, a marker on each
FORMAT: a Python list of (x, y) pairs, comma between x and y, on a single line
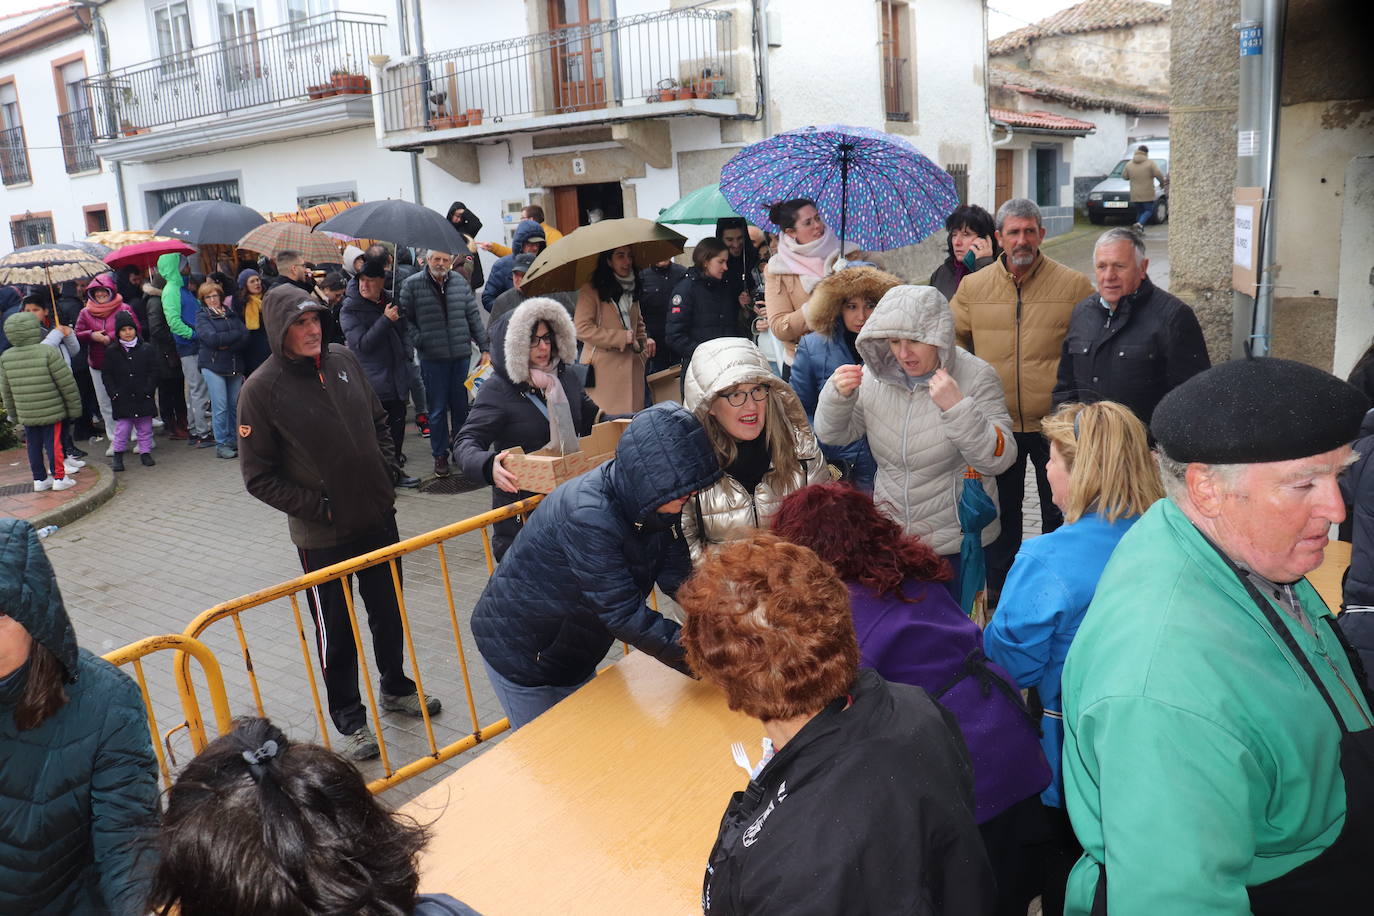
[(38, 387), (169, 266), (1197, 753)]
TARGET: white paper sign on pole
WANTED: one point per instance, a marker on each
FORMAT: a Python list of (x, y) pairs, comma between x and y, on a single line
[(1245, 237)]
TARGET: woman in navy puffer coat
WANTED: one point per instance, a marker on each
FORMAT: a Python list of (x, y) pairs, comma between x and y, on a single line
[(577, 576), (78, 785)]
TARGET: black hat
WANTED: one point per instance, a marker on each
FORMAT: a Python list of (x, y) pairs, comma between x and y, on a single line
[(373, 267), (1249, 411), (522, 263), (124, 319)]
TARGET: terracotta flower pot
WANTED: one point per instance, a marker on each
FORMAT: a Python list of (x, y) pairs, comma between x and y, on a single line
[(667, 95), (474, 117), (686, 92)]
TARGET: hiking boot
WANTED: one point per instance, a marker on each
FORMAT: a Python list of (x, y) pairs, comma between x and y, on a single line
[(147, 460), (410, 704), (361, 745), (422, 424), (117, 461), (441, 468)]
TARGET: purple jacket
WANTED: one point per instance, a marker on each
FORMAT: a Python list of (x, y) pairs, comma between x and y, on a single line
[(929, 642)]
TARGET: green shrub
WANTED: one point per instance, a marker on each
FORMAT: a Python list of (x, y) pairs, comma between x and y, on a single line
[(8, 439)]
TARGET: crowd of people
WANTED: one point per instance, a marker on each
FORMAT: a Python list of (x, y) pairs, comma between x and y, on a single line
[(1161, 715)]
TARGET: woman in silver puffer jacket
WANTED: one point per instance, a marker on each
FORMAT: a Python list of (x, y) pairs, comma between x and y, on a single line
[(758, 430)]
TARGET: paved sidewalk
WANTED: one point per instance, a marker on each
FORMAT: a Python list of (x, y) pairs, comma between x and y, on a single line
[(94, 485)]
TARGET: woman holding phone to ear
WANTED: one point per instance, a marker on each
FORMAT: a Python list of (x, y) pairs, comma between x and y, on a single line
[(972, 246)]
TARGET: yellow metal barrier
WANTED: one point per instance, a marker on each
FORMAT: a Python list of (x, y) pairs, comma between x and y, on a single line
[(291, 589), (186, 648)]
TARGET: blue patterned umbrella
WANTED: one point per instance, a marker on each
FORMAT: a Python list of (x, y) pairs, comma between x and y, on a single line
[(877, 190)]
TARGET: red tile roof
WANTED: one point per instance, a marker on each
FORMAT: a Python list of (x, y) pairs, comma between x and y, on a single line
[(1102, 95), (1089, 16), (1042, 120)]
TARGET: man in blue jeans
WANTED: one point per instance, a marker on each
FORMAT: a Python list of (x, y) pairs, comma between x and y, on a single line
[(444, 324)]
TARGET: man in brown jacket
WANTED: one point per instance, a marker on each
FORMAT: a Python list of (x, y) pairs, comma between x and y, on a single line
[(1142, 172), (1014, 314)]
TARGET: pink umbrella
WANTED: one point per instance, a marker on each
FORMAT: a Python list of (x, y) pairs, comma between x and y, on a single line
[(145, 254)]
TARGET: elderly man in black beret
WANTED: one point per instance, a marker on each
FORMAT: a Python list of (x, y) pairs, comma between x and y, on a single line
[(1218, 752)]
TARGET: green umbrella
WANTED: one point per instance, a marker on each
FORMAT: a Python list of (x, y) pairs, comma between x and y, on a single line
[(702, 207), (568, 263)]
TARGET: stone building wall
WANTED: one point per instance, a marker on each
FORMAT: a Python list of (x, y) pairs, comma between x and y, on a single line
[(1137, 56)]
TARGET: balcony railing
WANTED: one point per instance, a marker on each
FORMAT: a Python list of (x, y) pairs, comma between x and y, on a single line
[(14, 158), (896, 98), (310, 59), (642, 58), (77, 132)]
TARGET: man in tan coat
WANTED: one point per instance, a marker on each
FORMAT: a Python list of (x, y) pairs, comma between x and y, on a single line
[(1014, 314), (1142, 172)]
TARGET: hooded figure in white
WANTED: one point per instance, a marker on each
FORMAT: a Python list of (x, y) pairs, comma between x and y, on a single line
[(922, 449)]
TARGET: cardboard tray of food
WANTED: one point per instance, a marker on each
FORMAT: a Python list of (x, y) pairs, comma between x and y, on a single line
[(542, 471)]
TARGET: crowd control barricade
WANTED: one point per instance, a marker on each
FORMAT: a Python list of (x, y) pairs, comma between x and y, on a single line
[(293, 593), (185, 648)]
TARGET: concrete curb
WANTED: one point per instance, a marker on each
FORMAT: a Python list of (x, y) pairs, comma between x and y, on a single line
[(84, 504)]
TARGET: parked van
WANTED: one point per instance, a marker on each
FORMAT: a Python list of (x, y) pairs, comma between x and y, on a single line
[(1111, 197)]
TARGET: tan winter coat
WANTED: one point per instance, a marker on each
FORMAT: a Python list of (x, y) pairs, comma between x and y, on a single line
[(619, 387), (727, 510), (1141, 172), (1019, 330), (921, 450), (784, 296)]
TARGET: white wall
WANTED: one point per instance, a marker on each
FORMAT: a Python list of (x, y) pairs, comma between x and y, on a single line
[(828, 67), (951, 126), (1355, 305), (51, 189)]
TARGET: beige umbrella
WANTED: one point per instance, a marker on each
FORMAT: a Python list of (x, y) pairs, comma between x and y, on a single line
[(272, 239), (568, 263), (118, 238), (49, 264)]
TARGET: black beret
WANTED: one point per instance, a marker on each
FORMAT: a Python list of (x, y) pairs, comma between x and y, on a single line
[(1248, 411), (373, 267)]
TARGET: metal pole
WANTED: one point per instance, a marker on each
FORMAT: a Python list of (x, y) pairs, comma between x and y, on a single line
[(1275, 16)]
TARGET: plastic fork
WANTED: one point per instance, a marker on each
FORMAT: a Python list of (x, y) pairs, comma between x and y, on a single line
[(741, 758)]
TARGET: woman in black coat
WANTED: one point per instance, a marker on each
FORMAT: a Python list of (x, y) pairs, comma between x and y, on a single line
[(223, 338), (534, 341), (704, 306)]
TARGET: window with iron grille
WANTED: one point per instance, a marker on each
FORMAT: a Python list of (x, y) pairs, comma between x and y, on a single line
[(959, 172), (306, 201), (37, 230), (167, 198), (896, 61)]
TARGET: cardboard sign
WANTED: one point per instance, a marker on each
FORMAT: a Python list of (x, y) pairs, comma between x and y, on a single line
[(1249, 203), (544, 470)]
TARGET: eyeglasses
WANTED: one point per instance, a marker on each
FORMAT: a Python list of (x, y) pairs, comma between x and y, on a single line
[(738, 397), (209, 296), (537, 339)]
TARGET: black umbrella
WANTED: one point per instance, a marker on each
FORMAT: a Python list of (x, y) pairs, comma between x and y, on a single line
[(397, 221), (208, 222)]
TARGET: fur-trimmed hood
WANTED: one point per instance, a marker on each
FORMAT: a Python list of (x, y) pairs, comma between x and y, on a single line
[(918, 313), (510, 349), (827, 300)]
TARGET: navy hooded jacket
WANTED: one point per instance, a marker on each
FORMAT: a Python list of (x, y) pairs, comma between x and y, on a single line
[(1357, 486), (576, 578), (500, 278)]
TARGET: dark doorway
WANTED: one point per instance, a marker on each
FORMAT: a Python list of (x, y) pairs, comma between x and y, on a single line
[(581, 204), (1047, 176)]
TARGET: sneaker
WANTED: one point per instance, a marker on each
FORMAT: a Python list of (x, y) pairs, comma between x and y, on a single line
[(1137, 227), (402, 459), (361, 745), (179, 432), (96, 439), (117, 462), (157, 423), (441, 468), (422, 424), (147, 460), (203, 442), (65, 483), (109, 452), (410, 704), (73, 464), (223, 452), (40, 485), (407, 482), (77, 453)]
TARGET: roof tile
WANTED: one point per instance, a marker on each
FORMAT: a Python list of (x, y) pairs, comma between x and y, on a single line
[(1041, 120), (1089, 16)]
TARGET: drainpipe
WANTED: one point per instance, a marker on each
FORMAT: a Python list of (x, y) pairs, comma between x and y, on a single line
[(1004, 126), (761, 17), (1257, 121), (101, 40)]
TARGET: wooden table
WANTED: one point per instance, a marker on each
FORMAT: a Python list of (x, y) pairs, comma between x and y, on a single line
[(608, 803), (1326, 579)]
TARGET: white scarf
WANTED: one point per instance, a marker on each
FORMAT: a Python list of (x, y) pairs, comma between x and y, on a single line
[(562, 432), (626, 300), (812, 261)]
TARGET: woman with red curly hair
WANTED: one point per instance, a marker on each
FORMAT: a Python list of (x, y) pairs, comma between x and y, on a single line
[(863, 802), (912, 632)]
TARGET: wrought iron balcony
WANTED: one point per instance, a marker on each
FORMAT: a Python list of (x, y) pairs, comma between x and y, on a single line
[(78, 134), (311, 59), (14, 158), (896, 95), (649, 57)]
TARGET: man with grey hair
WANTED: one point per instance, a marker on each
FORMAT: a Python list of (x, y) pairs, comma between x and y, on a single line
[(1218, 748), (1131, 341), (1013, 314), (444, 325)]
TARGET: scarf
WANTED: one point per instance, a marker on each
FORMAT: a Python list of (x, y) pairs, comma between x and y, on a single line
[(104, 311), (626, 300), (128, 344), (812, 262), (562, 432), (252, 312)]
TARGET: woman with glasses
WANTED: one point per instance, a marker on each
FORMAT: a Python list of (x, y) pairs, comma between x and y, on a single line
[(760, 436), (931, 411), (1103, 477), (525, 403), (223, 338)]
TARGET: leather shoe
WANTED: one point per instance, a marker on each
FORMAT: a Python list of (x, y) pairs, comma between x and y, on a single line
[(441, 468), (409, 483)]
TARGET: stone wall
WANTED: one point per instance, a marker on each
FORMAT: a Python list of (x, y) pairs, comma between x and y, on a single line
[(1138, 56)]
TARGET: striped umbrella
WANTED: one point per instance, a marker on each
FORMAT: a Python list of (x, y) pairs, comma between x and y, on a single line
[(312, 216), (272, 239), (877, 190), (118, 238), (46, 265)]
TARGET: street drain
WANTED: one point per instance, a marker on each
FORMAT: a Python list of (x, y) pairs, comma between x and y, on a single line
[(450, 486), (17, 489)]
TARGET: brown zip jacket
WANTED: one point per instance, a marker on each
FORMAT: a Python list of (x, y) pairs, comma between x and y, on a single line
[(1019, 329)]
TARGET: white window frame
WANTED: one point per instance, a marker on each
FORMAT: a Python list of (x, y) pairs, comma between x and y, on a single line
[(179, 59)]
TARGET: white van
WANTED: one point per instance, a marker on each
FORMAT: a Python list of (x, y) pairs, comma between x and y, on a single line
[(1111, 197)]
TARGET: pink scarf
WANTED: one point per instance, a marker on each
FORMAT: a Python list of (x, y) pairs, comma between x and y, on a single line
[(811, 262)]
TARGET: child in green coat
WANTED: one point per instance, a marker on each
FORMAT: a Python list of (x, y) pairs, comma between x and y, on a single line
[(39, 392)]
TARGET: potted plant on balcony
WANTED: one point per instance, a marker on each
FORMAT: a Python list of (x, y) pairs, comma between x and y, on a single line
[(320, 90), (346, 83), (666, 89), (474, 117), (688, 90)]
